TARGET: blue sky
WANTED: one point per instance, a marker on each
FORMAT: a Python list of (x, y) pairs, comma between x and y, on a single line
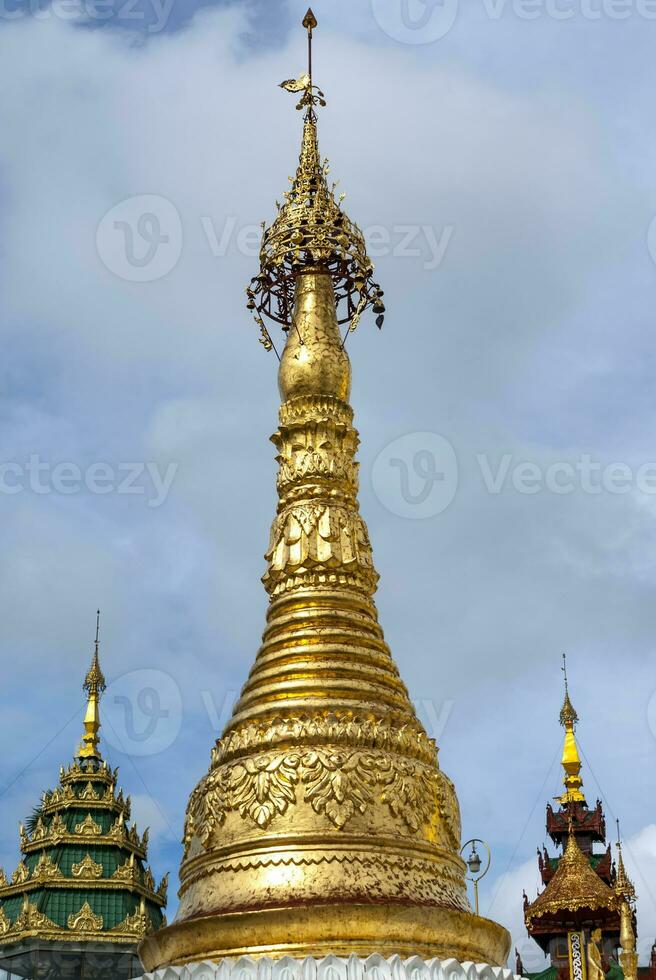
[(503, 170)]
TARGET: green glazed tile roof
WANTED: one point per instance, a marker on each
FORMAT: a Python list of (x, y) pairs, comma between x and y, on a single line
[(59, 894)]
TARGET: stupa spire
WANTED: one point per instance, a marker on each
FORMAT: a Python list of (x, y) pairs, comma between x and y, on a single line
[(94, 686), (626, 896), (324, 825), (571, 760), (624, 887)]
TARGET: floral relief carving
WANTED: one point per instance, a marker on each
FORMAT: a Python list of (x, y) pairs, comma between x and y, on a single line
[(261, 788), (338, 784), (410, 793)]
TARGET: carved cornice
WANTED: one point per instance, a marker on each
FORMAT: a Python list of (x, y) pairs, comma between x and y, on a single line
[(156, 895), (58, 833), (65, 798), (84, 925), (83, 774), (338, 729)]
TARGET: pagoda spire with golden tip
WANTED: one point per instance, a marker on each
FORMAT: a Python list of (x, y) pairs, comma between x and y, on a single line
[(324, 825), (571, 761), (94, 685), (82, 893)]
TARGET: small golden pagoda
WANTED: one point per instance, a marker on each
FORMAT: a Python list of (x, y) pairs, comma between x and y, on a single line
[(325, 826), (82, 896), (586, 912)]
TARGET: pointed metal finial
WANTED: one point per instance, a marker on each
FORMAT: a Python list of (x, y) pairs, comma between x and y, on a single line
[(619, 836), (312, 96), (94, 685), (568, 715), (309, 23), (311, 229)]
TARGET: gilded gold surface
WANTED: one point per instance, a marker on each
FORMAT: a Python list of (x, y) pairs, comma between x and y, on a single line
[(94, 685), (324, 929), (571, 760), (324, 802), (575, 885), (626, 895), (324, 823), (629, 954), (82, 925), (311, 228), (593, 957)]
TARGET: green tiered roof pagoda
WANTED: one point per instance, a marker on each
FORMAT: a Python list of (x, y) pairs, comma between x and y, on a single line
[(82, 896)]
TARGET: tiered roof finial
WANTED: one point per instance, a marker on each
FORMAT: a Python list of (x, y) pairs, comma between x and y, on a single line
[(571, 761), (567, 712), (94, 685)]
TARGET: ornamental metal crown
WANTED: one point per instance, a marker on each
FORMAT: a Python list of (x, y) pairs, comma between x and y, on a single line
[(312, 229)]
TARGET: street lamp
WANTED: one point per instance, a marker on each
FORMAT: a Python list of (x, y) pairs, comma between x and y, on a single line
[(474, 863)]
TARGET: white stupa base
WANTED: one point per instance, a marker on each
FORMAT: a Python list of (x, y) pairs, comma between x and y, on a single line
[(374, 967)]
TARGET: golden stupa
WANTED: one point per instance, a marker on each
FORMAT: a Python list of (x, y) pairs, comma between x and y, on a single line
[(324, 825)]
